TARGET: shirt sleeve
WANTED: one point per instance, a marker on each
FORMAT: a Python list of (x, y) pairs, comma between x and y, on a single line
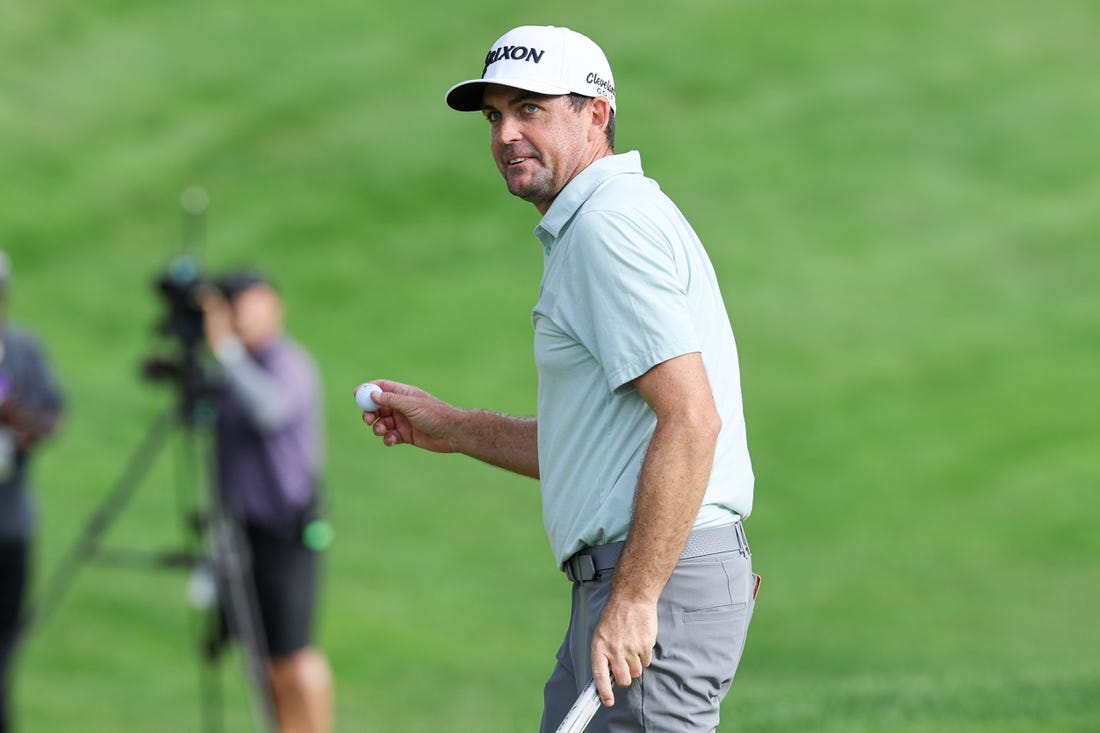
[(624, 280), (265, 400)]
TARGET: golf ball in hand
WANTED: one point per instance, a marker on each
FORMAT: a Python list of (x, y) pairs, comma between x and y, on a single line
[(364, 396)]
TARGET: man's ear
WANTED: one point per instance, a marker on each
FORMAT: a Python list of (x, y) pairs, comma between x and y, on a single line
[(600, 109)]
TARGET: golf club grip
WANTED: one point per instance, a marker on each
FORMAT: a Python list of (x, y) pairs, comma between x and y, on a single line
[(578, 717)]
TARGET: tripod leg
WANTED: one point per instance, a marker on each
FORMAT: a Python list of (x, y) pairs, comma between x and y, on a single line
[(242, 612), (210, 684), (86, 544)]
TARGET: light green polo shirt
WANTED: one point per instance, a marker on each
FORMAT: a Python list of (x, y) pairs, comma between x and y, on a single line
[(626, 285)]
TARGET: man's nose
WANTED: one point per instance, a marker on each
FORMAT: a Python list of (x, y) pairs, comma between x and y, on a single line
[(510, 129)]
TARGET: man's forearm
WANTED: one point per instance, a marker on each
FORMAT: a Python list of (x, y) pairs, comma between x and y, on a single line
[(670, 491), (505, 441)]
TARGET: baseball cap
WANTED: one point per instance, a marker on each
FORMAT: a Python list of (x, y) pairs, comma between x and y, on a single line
[(544, 59)]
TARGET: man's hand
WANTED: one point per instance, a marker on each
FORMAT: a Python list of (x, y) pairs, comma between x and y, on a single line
[(27, 426), (409, 415), (217, 315), (622, 645)]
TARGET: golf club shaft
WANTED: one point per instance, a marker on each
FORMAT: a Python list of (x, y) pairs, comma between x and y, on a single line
[(578, 717)]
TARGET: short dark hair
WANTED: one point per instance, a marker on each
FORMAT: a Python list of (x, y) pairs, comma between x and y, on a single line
[(235, 282), (578, 102)]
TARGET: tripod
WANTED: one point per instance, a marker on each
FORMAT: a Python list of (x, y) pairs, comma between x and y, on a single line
[(224, 551)]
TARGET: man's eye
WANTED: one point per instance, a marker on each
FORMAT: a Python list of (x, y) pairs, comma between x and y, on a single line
[(530, 108), (492, 116)]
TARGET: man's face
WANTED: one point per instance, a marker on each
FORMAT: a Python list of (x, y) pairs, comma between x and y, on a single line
[(257, 316), (539, 142)]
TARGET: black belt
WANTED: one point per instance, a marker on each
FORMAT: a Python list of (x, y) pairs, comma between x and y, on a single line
[(588, 563)]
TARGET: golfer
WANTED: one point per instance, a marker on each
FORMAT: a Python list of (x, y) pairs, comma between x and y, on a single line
[(639, 439)]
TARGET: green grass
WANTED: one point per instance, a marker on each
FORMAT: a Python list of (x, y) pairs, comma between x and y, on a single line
[(899, 199)]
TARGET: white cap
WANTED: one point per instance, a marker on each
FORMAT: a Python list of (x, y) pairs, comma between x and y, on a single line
[(544, 59)]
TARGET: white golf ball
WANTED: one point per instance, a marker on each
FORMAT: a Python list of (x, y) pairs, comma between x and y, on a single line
[(364, 396)]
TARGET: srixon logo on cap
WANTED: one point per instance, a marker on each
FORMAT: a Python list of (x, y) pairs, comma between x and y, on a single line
[(513, 53)]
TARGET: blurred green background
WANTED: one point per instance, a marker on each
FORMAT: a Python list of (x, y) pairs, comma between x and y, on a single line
[(900, 198)]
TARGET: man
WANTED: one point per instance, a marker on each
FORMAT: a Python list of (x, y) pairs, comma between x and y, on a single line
[(639, 440), (269, 462), (30, 411)]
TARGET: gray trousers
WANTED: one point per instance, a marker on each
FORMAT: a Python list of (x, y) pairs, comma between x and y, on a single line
[(703, 617)]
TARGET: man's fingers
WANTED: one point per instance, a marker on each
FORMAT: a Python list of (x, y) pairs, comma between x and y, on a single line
[(620, 671), (607, 675), (391, 402), (601, 675)]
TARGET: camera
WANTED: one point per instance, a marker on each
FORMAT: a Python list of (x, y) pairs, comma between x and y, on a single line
[(181, 286)]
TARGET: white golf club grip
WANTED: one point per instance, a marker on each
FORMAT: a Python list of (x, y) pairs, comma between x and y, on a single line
[(578, 717)]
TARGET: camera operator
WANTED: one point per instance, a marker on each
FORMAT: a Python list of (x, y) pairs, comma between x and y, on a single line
[(30, 410), (269, 446)]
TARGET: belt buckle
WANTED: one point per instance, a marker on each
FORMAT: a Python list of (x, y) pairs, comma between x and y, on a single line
[(581, 569)]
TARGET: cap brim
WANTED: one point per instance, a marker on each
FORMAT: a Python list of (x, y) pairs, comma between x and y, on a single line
[(468, 96)]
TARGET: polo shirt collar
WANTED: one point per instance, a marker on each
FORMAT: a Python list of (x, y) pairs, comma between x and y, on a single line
[(577, 191)]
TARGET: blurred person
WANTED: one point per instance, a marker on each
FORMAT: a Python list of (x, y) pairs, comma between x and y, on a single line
[(639, 437), (30, 411), (269, 453)]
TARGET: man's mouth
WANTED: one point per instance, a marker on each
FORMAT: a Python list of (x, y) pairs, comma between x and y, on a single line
[(512, 159)]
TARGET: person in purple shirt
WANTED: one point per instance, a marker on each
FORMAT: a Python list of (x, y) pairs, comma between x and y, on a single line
[(31, 407), (269, 454)]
